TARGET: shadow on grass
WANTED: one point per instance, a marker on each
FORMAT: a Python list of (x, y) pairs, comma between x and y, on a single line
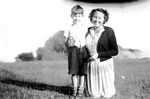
[(8, 77), (66, 90)]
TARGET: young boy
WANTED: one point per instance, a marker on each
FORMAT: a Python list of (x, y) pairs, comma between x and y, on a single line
[(75, 43)]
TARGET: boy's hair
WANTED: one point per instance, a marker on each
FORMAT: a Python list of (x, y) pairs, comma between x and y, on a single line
[(77, 10)]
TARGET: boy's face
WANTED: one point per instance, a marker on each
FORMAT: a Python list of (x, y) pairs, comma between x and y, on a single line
[(76, 18)]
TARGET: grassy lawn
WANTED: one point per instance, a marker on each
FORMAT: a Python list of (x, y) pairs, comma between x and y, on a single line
[(50, 80)]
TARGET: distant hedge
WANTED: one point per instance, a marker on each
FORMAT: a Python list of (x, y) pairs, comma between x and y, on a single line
[(25, 57)]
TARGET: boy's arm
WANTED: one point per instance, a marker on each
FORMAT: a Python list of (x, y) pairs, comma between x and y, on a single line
[(66, 45), (66, 38)]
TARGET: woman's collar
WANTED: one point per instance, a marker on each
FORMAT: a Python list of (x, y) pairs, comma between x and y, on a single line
[(93, 32)]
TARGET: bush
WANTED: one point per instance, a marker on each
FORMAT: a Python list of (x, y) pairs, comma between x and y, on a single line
[(25, 57), (39, 53)]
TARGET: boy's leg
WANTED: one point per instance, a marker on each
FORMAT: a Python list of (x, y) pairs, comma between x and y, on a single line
[(81, 81), (75, 84), (81, 85)]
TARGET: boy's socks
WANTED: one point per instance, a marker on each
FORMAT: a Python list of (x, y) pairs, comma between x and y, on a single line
[(80, 92), (74, 91)]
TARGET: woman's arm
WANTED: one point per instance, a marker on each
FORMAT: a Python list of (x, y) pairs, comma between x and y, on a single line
[(113, 47)]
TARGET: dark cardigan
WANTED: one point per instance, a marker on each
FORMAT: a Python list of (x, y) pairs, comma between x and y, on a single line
[(107, 44)]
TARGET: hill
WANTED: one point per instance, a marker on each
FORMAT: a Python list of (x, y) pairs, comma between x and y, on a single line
[(125, 53)]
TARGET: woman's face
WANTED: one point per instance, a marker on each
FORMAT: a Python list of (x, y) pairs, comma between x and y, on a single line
[(98, 19)]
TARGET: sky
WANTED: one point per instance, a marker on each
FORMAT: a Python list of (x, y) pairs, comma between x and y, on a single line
[(25, 25)]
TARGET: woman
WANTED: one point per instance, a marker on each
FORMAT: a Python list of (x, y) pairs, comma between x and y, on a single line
[(102, 45)]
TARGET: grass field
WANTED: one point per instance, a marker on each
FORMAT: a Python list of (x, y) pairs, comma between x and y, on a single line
[(49, 80)]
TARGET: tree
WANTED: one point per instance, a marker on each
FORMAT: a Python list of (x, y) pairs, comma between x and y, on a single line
[(54, 47), (56, 43)]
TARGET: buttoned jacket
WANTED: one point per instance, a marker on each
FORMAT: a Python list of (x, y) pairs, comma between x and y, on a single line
[(107, 44)]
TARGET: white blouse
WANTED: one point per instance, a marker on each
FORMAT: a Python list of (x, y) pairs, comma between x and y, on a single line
[(78, 33), (92, 39)]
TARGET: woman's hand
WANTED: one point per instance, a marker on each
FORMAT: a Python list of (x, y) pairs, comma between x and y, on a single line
[(93, 57)]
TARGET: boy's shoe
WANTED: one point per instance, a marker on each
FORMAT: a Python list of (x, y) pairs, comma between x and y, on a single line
[(80, 92), (74, 91)]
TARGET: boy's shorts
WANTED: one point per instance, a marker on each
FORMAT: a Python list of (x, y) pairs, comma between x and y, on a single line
[(75, 63)]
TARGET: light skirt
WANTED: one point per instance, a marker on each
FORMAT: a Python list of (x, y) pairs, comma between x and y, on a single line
[(100, 78)]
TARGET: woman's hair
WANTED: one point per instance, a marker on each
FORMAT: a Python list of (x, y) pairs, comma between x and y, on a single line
[(105, 12), (77, 10)]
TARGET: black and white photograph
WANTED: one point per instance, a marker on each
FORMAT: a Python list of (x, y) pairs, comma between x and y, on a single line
[(74, 49)]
